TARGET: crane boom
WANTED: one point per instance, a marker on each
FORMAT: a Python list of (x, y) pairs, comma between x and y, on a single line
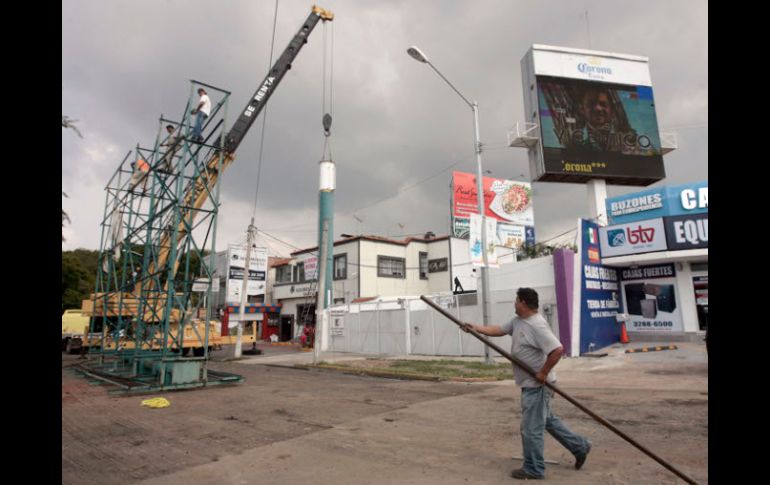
[(196, 195), (273, 78)]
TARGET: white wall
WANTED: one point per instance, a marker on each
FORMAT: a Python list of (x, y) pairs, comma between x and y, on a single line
[(415, 285), (460, 264), (686, 293), (529, 273)]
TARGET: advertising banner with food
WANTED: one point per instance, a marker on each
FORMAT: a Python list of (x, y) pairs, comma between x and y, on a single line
[(507, 201)]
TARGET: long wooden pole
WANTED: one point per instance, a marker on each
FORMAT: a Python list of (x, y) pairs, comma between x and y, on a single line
[(566, 396)]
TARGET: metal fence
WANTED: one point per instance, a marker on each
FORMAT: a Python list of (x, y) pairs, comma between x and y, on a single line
[(408, 326)]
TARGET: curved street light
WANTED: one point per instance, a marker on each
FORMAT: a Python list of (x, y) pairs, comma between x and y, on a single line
[(416, 54)]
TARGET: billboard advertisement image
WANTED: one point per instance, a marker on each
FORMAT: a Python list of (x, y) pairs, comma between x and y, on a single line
[(236, 261), (508, 202), (597, 130), (596, 116)]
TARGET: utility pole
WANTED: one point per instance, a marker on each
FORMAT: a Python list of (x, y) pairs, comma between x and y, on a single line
[(251, 235)]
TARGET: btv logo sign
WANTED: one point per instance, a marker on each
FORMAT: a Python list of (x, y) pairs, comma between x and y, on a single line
[(616, 237), (640, 235)]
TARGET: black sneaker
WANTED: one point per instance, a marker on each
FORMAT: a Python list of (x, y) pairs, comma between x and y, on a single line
[(520, 474), (581, 458)]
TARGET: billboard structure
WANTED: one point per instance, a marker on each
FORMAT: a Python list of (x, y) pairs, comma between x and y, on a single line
[(596, 115), (509, 202), (236, 263)]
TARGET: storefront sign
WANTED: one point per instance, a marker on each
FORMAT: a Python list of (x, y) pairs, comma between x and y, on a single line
[(687, 232), (599, 301), (634, 238), (201, 285), (647, 204), (438, 265), (311, 268)]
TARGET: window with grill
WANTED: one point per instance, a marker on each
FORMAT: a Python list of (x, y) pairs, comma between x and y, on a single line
[(390, 267), (341, 267)]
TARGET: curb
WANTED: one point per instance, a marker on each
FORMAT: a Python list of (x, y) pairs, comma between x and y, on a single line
[(394, 375), (652, 349)]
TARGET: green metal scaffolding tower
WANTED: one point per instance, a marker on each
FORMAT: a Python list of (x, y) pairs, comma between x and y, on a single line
[(158, 240)]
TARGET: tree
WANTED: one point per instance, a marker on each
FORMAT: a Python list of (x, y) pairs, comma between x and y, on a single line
[(67, 122), (540, 250), (78, 276)]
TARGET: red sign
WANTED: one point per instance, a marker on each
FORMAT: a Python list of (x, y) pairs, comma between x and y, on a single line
[(505, 200)]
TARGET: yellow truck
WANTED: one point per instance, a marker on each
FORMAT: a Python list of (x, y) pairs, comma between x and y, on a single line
[(74, 325)]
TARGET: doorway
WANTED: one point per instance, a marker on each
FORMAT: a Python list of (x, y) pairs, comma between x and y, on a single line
[(287, 323), (701, 286)]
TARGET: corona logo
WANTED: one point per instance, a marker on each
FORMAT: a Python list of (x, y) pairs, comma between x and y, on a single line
[(588, 69)]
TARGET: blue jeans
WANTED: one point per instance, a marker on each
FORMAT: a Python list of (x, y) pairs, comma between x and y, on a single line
[(536, 417), (198, 130)]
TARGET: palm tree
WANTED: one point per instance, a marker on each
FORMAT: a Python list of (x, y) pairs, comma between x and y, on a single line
[(67, 122)]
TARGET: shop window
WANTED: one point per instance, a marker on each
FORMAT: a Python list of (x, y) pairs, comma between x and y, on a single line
[(699, 266)]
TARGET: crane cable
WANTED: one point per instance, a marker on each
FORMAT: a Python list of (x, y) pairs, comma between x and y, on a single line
[(264, 118), (327, 117)]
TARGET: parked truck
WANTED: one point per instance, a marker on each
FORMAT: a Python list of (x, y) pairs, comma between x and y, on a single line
[(74, 326)]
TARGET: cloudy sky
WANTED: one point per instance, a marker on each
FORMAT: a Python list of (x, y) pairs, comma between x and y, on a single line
[(399, 131)]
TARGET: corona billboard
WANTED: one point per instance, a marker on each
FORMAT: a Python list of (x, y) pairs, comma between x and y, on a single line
[(596, 117)]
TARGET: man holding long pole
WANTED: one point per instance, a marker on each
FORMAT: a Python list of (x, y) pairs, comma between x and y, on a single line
[(535, 345)]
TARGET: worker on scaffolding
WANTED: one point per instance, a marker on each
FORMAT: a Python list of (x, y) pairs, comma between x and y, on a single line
[(173, 142), (202, 110), (141, 169)]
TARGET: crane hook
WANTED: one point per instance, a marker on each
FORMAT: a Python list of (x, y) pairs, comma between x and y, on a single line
[(327, 122)]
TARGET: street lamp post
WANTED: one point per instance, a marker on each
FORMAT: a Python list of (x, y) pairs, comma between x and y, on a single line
[(417, 54)]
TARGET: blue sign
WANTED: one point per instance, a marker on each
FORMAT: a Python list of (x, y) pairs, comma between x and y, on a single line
[(599, 302), (658, 202), (529, 232)]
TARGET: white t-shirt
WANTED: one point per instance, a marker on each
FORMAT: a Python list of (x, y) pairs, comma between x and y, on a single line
[(206, 108), (532, 342)]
